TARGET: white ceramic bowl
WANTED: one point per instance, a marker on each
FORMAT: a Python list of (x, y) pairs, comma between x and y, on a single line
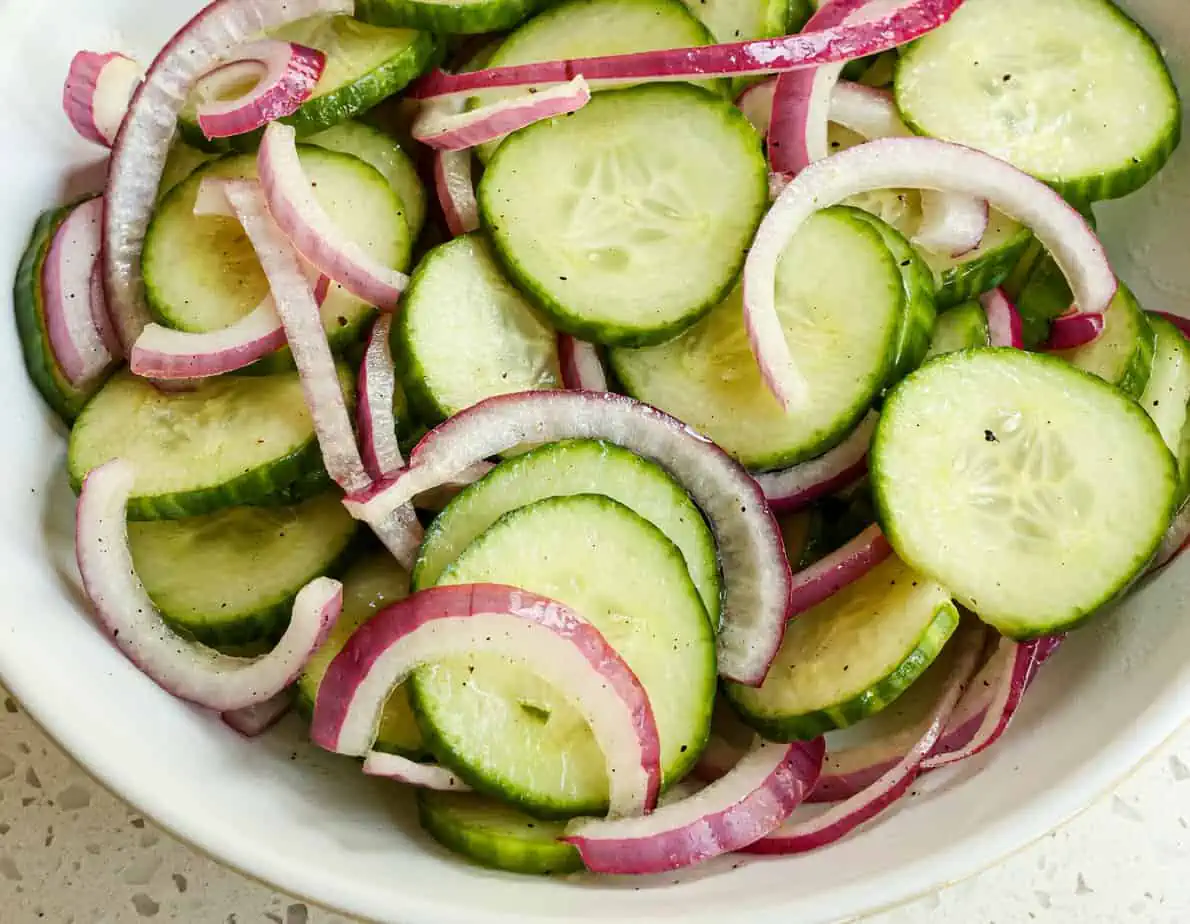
[(312, 826)]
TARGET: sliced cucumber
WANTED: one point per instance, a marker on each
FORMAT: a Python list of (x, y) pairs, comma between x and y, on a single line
[(1034, 491), (842, 302), (202, 274), (465, 334), (28, 301), (448, 16), (183, 160), (1071, 91), (496, 835), (961, 328), (231, 441), (629, 220), (850, 657), (1184, 465), (507, 733), (365, 64), (589, 28), (380, 150), (230, 578), (563, 469), (1169, 387), (372, 584), (1123, 353)]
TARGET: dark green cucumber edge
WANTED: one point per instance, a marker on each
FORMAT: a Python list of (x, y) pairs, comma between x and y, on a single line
[(448, 18), (972, 278)]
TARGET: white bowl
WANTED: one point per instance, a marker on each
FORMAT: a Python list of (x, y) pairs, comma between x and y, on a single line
[(313, 826)]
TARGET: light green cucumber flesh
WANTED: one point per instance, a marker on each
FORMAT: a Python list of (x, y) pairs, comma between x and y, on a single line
[(1123, 354), (372, 584), (1071, 91), (841, 298), (510, 735), (593, 28), (381, 151), (465, 333), (448, 17), (201, 272), (563, 469), (964, 327), (231, 441), (1168, 390), (496, 835), (850, 657), (230, 578), (1008, 452), (628, 221), (182, 161)]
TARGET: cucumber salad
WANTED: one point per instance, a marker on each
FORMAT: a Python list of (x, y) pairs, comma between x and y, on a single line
[(646, 430)]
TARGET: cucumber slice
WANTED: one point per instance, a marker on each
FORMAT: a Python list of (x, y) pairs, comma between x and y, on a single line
[(496, 835), (563, 469), (182, 161), (852, 656), (1169, 387), (1123, 354), (510, 735), (590, 28), (202, 274), (365, 64), (842, 302), (372, 584), (1034, 491), (230, 578), (1184, 465), (1071, 91), (629, 220), (231, 441), (29, 304), (961, 328), (380, 150), (465, 334), (448, 16)]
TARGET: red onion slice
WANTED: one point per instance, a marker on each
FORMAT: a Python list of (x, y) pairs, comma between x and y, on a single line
[(541, 635), (756, 574), (142, 146), (167, 354), (447, 128), (1004, 323), (951, 223), (920, 163), (795, 488), (186, 669), (840, 820), (97, 92), (437, 498), (903, 22), (411, 773), (377, 386), (455, 186), (760, 792), (299, 214), (1072, 331), (286, 74), (71, 317), (99, 313), (582, 369), (823, 579), (756, 103), (1176, 540), (1181, 323), (253, 721)]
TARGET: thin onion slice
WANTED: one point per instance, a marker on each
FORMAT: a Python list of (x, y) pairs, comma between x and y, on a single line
[(455, 185), (903, 22), (825, 578), (1181, 323), (184, 668), (951, 223), (299, 214), (582, 369), (437, 498), (756, 103), (165, 353), (142, 146), (1072, 331), (1176, 540), (253, 721), (411, 773), (71, 317), (800, 836), (756, 573), (795, 488), (750, 801), (920, 163), (447, 128), (294, 301), (285, 74), (97, 92), (99, 313), (1004, 322), (539, 634)]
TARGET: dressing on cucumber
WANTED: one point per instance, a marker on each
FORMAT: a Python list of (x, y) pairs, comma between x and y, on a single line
[(1168, 389)]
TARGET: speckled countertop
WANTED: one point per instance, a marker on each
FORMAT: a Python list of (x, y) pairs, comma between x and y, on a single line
[(71, 853)]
